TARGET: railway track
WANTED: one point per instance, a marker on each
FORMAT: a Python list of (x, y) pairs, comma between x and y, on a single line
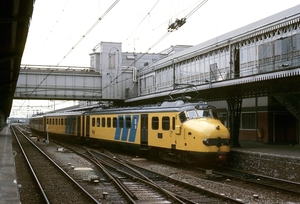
[(148, 186), (54, 184), (279, 184)]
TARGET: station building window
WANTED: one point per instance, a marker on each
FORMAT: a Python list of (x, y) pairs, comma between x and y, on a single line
[(155, 123), (93, 122), (248, 121)]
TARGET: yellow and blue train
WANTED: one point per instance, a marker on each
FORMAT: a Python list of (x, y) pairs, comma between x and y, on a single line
[(175, 130)]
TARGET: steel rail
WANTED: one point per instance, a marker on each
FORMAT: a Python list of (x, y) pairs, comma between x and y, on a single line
[(63, 171)]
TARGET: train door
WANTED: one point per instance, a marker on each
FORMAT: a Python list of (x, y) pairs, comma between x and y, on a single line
[(87, 127), (144, 129)]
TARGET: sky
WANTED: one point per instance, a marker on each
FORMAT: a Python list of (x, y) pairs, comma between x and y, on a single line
[(64, 32)]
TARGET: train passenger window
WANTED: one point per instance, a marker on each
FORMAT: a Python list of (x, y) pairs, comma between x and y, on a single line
[(121, 122), (182, 117), (108, 122), (103, 122), (98, 122), (62, 121), (155, 123), (47, 121), (56, 123), (53, 121), (115, 122), (165, 123), (128, 122), (93, 122)]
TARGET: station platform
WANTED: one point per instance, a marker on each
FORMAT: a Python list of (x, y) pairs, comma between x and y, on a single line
[(279, 161), (9, 193)]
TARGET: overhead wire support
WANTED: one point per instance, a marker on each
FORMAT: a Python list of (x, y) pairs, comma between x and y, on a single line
[(180, 22)]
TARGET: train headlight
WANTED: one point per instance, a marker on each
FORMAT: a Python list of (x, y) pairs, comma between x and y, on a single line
[(206, 142)]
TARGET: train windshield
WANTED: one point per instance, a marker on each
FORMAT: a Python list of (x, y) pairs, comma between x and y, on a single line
[(198, 113)]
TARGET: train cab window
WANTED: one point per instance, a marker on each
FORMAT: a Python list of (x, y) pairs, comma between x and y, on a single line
[(165, 123), (121, 122), (115, 122), (128, 122), (204, 113), (155, 123), (93, 122), (108, 122), (103, 122), (98, 122), (182, 117), (191, 114)]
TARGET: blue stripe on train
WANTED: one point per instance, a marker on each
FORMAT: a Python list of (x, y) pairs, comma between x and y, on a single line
[(124, 130), (118, 129), (133, 128)]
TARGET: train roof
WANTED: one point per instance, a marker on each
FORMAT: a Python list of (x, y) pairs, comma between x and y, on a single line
[(167, 106), (59, 114)]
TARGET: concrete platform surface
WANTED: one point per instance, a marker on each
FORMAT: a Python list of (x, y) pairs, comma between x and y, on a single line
[(279, 161), (9, 193)]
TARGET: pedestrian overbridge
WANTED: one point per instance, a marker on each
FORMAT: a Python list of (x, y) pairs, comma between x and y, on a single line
[(60, 83)]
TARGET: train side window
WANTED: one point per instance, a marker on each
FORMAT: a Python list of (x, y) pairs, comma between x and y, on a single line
[(121, 122), (108, 122), (128, 122), (56, 123), (98, 122), (165, 123), (115, 122), (65, 121), (155, 123), (93, 122), (173, 123), (47, 121), (103, 122), (62, 121), (53, 121)]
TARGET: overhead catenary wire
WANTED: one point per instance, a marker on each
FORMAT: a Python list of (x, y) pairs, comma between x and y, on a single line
[(93, 26), (51, 30), (151, 47)]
